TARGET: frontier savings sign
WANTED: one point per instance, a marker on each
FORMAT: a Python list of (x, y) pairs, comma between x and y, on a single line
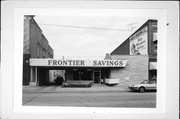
[(77, 63)]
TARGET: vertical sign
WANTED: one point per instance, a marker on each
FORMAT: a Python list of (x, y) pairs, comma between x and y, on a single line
[(138, 43)]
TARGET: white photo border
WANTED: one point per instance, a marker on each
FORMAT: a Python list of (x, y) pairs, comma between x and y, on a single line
[(23, 111), (159, 15)]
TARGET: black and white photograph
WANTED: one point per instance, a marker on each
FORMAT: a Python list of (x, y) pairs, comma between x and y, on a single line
[(89, 61), (93, 59)]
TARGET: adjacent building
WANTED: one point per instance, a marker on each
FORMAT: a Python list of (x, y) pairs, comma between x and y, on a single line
[(142, 43), (35, 46)]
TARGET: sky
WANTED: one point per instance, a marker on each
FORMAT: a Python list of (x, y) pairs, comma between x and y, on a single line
[(86, 37)]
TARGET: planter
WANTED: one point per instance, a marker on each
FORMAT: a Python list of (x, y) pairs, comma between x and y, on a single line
[(111, 81)]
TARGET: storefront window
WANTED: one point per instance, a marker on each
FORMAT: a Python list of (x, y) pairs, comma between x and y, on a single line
[(83, 74)]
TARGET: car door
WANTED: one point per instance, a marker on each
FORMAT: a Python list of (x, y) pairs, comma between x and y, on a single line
[(152, 85), (147, 86)]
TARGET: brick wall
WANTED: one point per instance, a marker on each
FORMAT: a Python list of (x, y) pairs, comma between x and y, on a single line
[(122, 49), (136, 69), (26, 41), (33, 38), (152, 27)]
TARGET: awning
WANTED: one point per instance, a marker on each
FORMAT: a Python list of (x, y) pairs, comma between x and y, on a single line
[(153, 65)]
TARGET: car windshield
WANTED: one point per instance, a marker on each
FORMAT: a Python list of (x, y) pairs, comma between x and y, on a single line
[(144, 82), (148, 82)]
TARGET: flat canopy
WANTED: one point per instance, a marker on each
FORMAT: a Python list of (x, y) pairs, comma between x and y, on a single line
[(77, 63)]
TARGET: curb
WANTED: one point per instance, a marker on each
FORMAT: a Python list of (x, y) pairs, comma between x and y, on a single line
[(74, 90)]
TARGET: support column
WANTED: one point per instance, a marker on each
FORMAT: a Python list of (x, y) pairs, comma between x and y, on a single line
[(35, 74), (33, 77)]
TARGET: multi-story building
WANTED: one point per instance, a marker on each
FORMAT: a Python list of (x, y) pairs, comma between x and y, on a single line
[(143, 42), (35, 45)]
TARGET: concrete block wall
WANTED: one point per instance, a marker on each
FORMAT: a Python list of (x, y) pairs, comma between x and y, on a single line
[(136, 69)]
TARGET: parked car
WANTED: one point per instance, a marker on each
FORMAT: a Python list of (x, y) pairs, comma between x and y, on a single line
[(145, 85)]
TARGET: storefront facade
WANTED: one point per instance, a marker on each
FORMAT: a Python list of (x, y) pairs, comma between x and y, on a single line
[(94, 75), (95, 71)]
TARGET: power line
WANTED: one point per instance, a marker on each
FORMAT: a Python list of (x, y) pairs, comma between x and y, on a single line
[(131, 24), (85, 27)]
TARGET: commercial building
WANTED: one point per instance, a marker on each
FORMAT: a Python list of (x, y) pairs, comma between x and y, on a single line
[(131, 62), (35, 46), (92, 71), (142, 43)]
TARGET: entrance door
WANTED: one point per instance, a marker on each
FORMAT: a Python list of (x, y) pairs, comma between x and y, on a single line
[(97, 76)]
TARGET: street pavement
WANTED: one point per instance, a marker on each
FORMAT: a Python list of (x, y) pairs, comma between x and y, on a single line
[(95, 96)]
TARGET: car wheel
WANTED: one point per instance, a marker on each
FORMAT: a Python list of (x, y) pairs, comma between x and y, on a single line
[(141, 89)]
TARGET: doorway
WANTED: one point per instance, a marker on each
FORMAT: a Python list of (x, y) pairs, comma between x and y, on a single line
[(97, 76)]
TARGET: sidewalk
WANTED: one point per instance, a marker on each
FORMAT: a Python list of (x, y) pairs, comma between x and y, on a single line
[(59, 89)]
